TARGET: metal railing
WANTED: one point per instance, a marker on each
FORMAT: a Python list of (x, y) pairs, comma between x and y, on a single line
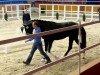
[(70, 1), (48, 33), (70, 56)]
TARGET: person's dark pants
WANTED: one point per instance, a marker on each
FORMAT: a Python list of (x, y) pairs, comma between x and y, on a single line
[(34, 48)]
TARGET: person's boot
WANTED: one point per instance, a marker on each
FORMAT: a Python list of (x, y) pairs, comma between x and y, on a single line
[(48, 62)]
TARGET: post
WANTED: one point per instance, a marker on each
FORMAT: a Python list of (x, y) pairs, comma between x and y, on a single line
[(71, 11), (39, 10), (64, 12), (17, 6), (2, 13), (91, 13), (52, 10), (30, 10), (46, 10), (79, 64), (99, 13), (12, 12), (78, 13)]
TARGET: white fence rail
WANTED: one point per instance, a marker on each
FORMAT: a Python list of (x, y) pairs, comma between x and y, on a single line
[(2, 14), (14, 10), (69, 13)]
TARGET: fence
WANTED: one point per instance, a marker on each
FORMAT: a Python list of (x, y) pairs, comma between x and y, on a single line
[(48, 33), (69, 11), (15, 10), (2, 14), (65, 58)]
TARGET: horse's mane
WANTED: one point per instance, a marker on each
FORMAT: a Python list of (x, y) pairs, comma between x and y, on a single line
[(50, 25), (52, 22), (43, 21)]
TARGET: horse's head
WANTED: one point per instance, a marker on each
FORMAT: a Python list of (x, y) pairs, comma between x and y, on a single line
[(44, 25), (28, 27)]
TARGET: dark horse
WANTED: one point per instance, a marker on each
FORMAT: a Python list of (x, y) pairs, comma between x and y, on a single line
[(48, 39)]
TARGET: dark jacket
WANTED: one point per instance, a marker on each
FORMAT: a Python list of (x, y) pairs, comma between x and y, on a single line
[(26, 18)]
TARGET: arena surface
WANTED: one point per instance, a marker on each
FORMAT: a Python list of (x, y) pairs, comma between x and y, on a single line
[(11, 62)]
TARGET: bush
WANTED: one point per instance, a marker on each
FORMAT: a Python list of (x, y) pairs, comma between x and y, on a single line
[(57, 15), (6, 16), (84, 17)]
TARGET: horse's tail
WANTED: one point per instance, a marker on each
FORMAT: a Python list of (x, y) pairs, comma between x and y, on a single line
[(83, 36)]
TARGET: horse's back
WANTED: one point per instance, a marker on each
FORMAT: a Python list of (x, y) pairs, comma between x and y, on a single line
[(66, 24), (61, 35)]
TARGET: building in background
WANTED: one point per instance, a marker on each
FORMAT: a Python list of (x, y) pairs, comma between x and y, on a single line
[(6, 2), (93, 2), (37, 2), (83, 2), (14, 8)]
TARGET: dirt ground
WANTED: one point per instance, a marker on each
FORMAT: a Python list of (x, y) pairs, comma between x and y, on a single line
[(11, 60)]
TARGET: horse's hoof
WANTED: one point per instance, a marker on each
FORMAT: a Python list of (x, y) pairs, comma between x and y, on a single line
[(83, 58), (65, 55), (49, 52)]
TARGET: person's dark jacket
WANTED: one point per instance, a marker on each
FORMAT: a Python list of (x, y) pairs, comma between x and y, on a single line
[(26, 18)]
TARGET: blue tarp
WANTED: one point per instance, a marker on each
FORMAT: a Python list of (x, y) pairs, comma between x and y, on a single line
[(13, 1), (93, 2)]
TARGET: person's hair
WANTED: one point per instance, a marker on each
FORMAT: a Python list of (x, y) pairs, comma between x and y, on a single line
[(36, 23)]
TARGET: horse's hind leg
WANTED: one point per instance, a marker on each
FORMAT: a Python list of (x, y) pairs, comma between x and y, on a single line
[(70, 45), (77, 41)]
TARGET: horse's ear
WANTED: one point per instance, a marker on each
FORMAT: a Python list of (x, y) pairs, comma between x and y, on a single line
[(29, 22)]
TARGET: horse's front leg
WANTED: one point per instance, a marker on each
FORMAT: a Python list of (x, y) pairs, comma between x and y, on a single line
[(70, 46), (46, 43), (50, 46), (22, 28)]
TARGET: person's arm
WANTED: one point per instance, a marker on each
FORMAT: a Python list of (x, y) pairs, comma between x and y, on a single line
[(30, 39), (34, 32)]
